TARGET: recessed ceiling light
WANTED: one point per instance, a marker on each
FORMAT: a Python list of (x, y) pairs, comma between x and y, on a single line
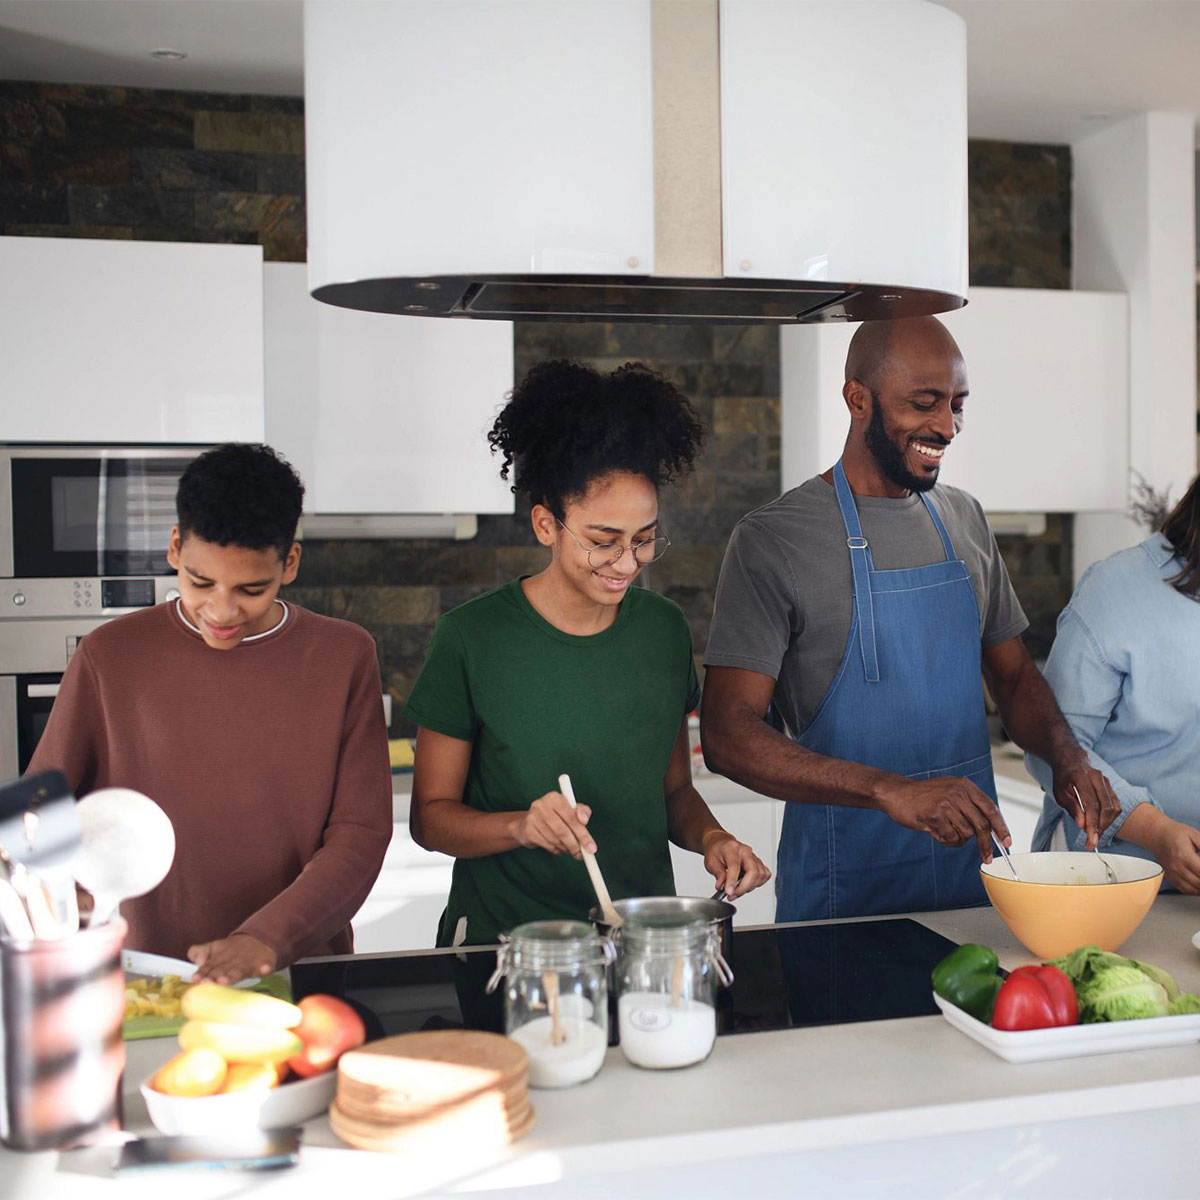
[(169, 55)]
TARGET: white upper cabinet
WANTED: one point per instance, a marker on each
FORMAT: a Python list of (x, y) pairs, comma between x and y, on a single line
[(381, 413), (1047, 419), (115, 341)]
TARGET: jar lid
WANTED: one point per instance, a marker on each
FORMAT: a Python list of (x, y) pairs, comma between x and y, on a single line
[(555, 944)]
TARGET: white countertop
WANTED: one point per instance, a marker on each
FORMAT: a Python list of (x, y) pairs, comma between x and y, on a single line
[(777, 1104)]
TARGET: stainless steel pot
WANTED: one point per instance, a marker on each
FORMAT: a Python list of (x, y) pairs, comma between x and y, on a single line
[(717, 913)]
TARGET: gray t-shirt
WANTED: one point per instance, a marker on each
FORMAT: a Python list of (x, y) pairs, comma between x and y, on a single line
[(785, 599)]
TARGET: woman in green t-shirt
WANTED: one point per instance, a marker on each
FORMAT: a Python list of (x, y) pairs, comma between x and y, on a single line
[(571, 671)]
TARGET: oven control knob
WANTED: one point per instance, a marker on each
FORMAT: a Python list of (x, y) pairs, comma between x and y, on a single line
[(18, 598), (172, 594)]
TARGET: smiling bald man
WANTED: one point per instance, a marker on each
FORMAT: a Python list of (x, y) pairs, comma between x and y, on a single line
[(854, 617)]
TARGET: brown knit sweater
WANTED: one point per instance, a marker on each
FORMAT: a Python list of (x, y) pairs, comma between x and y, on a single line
[(270, 759)]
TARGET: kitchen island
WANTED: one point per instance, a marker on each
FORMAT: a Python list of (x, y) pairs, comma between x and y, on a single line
[(895, 1107)]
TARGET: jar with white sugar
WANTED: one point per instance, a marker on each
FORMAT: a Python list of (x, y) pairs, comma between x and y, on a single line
[(667, 991), (556, 998)]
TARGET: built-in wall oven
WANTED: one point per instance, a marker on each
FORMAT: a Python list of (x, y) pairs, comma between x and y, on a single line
[(83, 539)]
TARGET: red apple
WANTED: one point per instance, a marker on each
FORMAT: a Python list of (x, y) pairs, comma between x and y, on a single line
[(328, 1028)]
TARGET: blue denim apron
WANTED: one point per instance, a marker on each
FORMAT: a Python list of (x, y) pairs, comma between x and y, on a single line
[(907, 698)]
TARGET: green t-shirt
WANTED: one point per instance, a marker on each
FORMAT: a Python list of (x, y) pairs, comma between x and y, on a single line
[(537, 702)]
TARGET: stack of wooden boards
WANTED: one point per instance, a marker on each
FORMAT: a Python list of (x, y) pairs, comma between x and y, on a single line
[(432, 1092)]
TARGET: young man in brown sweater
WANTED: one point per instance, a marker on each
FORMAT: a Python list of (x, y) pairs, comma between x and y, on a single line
[(256, 725)]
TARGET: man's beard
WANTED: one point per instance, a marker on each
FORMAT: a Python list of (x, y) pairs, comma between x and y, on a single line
[(889, 457)]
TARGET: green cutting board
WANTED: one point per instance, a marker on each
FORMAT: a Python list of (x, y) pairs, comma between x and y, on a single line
[(154, 1027)]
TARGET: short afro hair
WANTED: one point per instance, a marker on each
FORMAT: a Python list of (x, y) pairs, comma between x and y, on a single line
[(566, 424), (240, 494)]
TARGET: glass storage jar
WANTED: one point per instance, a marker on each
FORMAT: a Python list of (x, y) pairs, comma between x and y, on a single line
[(556, 998), (667, 990)]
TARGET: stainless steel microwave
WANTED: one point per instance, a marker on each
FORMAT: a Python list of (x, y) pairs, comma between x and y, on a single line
[(83, 539), (79, 511)]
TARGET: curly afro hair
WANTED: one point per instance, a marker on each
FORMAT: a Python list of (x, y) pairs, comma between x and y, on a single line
[(566, 424), (240, 494)]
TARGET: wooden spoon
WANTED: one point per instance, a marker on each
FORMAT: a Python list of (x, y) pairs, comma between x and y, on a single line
[(610, 914), (558, 1034)]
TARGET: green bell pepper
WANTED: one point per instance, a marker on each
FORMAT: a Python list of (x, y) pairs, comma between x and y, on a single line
[(968, 978)]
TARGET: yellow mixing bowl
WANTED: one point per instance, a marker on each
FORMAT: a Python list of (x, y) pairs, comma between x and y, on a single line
[(1062, 900)]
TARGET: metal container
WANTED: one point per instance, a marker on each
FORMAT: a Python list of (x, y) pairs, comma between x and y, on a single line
[(718, 913), (61, 1054)]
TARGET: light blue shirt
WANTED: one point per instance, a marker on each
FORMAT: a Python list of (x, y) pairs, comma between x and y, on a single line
[(1125, 667)]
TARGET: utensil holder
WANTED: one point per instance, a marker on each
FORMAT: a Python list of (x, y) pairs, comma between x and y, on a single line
[(62, 1054)]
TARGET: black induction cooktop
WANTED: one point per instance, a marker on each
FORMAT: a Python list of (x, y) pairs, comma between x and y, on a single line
[(785, 976)]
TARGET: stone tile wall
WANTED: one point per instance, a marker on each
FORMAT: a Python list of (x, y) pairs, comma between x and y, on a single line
[(1019, 215), (133, 163), (104, 162)]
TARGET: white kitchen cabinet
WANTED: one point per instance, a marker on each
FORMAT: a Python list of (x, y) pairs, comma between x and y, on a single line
[(383, 413), (1047, 418), (405, 905), (144, 342)]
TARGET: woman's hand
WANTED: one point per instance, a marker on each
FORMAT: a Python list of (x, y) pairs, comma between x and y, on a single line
[(1177, 848), (735, 868), (551, 824)]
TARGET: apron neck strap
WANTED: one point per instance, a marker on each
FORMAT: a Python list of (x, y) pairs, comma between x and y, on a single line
[(860, 567), (845, 499), (849, 511), (947, 544)]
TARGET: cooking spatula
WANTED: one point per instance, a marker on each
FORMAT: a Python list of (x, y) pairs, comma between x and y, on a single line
[(610, 914)]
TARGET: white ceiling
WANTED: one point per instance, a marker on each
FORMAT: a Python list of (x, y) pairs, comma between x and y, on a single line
[(254, 46), (1039, 70), (1049, 70)]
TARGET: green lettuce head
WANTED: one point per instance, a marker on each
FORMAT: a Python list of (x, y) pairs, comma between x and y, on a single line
[(1120, 993)]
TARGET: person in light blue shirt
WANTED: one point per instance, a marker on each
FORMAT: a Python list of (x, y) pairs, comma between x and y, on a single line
[(1125, 668)]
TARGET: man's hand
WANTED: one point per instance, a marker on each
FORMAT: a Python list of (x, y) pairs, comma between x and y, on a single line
[(735, 868), (228, 960), (950, 810), (552, 824), (1100, 806)]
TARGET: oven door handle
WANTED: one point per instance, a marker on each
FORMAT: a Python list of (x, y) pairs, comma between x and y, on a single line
[(42, 691)]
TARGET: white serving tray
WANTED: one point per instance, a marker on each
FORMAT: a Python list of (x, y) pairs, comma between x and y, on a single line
[(1074, 1041)]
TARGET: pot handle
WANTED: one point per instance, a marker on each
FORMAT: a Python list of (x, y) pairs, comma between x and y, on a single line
[(723, 969)]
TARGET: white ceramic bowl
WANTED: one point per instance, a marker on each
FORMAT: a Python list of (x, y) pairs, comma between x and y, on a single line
[(290, 1103)]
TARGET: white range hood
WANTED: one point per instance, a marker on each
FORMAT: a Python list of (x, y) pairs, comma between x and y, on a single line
[(655, 160)]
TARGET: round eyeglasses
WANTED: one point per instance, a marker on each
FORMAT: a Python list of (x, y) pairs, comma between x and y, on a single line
[(607, 553)]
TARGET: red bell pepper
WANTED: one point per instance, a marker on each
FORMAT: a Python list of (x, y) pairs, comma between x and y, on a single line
[(1038, 997)]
